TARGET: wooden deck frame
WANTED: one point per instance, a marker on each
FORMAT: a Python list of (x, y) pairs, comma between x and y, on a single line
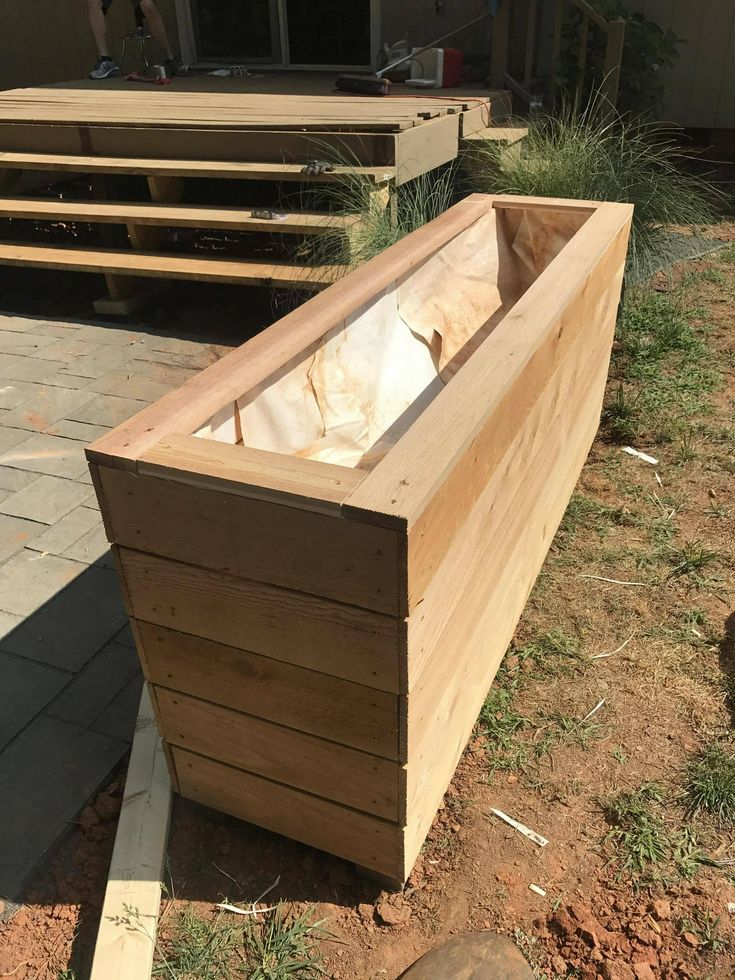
[(429, 558)]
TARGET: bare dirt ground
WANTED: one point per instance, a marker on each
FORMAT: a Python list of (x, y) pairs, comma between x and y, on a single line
[(637, 882)]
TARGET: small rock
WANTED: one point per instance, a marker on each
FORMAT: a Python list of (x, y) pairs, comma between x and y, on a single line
[(365, 911), (617, 971), (643, 971), (393, 914), (106, 807), (511, 663), (661, 909), (690, 939)]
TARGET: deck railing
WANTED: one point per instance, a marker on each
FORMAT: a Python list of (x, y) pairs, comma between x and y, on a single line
[(614, 31)]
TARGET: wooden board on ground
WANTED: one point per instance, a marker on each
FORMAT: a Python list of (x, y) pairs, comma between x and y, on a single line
[(124, 950)]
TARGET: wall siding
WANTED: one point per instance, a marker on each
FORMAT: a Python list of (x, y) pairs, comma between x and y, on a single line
[(700, 89), (50, 40)]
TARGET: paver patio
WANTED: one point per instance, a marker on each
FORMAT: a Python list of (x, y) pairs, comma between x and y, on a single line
[(68, 670)]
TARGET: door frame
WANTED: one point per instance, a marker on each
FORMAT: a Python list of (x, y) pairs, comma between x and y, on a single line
[(187, 40)]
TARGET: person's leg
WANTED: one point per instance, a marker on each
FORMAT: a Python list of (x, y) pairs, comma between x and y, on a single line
[(99, 27), (156, 26)]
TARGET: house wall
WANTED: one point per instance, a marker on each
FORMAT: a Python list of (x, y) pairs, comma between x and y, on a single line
[(700, 89), (50, 40), (423, 20)]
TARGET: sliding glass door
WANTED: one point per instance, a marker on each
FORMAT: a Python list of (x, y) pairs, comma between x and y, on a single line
[(242, 30), (302, 33)]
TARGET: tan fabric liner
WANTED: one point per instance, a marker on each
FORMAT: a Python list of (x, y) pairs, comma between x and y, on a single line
[(352, 396)]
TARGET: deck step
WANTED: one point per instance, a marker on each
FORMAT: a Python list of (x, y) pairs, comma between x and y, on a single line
[(173, 215), (498, 134), (158, 265), (150, 167)]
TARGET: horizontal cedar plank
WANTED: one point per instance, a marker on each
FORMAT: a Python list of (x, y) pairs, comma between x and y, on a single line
[(548, 423), (333, 708), (436, 472), (226, 169), (306, 483), (359, 837), (171, 215), (158, 265), (285, 755), (337, 639), (185, 409), (477, 637), (297, 549)]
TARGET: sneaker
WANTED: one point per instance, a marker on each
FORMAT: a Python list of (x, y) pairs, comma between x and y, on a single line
[(105, 68), (174, 67)]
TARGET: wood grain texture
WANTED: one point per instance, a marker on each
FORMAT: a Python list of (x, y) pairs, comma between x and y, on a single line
[(324, 555), (138, 857), (157, 265), (284, 755), (185, 409), (477, 644), (313, 702), (355, 644), (437, 470), (355, 836), (305, 483)]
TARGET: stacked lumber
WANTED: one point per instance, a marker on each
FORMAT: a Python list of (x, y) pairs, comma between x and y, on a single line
[(319, 621)]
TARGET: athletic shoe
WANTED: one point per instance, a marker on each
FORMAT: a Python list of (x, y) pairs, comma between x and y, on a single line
[(105, 68), (174, 67)]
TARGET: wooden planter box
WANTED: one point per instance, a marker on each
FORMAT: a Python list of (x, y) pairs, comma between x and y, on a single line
[(326, 539)]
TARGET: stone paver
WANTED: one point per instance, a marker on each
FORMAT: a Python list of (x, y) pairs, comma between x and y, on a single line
[(42, 453), (72, 609), (16, 533), (46, 773), (69, 672), (47, 499), (27, 689), (96, 687)]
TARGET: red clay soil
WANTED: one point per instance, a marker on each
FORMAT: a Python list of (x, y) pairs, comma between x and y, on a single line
[(667, 693)]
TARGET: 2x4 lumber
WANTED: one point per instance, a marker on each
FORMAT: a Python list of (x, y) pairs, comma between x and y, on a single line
[(138, 859), (185, 409), (171, 215), (498, 134), (426, 147), (356, 644), (307, 700), (157, 265), (184, 168), (308, 484), (287, 546), (285, 755), (348, 833), (470, 438)]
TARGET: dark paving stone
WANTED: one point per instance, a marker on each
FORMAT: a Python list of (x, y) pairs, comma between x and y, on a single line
[(118, 719), (26, 688), (46, 776), (97, 686), (74, 624)]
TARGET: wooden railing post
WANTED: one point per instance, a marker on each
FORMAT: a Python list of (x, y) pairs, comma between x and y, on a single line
[(556, 50), (499, 45), (613, 61)]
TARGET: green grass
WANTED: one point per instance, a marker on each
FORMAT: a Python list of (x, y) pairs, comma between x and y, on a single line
[(576, 154), (663, 373), (278, 947), (690, 559), (515, 741), (710, 783), (705, 927), (644, 848), (414, 204)]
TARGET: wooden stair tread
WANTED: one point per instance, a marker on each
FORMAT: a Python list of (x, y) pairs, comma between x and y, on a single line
[(185, 168), (499, 134), (180, 215), (166, 266)]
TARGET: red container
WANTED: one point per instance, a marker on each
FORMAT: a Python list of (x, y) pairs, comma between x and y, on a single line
[(453, 64)]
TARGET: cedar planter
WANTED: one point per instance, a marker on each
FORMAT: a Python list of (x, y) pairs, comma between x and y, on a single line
[(327, 538)]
